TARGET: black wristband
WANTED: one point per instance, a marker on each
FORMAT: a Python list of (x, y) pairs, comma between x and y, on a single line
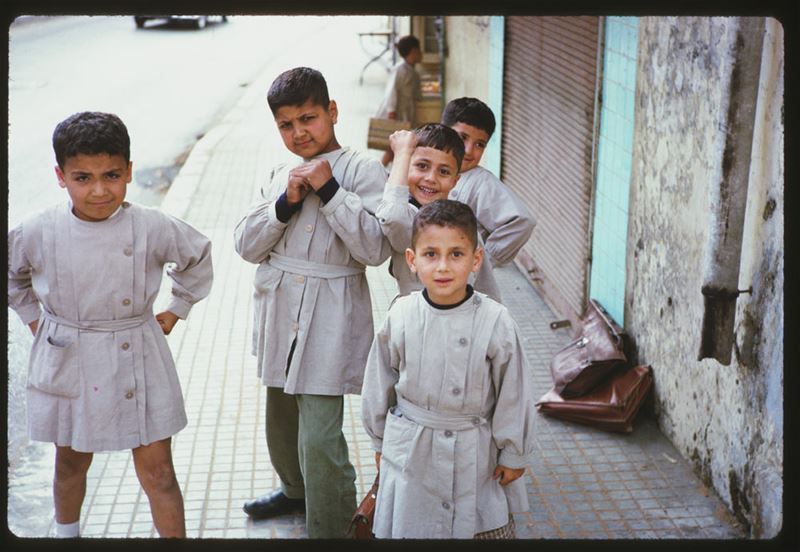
[(283, 210), (328, 190)]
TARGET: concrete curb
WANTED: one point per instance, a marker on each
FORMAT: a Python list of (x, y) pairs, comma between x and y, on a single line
[(179, 196)]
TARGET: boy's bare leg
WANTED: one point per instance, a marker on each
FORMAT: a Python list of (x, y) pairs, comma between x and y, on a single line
[(69, 483), (156, 473)]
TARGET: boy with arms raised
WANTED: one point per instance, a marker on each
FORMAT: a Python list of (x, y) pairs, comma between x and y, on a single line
[(84, 276), (503, 221), (311, 235), (447, 397)]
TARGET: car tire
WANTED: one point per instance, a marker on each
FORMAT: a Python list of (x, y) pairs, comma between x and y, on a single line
[(140, 21), (200, 23)]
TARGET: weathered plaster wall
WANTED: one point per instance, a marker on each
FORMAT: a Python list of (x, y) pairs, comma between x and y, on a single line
[(467, 61), (728, 420)]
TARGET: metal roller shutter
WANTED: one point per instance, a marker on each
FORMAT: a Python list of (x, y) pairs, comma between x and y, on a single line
[(549, 93)]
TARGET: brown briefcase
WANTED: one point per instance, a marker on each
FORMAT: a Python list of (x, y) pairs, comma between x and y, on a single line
[(380, 129), (584, 363), (611, 406), (361, 525)]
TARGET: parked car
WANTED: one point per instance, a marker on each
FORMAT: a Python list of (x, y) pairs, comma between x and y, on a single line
[(198, 21)]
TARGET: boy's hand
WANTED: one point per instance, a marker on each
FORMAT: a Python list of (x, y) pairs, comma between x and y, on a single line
[(403, 141), (34, 326), (506, 474), (167, 320), (297, 189), (315, 172)]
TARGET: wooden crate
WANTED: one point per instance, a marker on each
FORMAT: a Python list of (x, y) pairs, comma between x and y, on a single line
[(381, 129)]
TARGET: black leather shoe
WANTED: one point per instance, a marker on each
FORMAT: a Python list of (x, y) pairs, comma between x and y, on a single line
[(273, 504)]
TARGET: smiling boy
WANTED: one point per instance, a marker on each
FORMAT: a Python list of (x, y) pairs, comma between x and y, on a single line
[(447, 397), (84, 276), (311, 234)]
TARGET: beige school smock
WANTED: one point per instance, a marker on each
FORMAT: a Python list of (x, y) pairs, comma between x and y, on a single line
[(503, 221), (396, 215), (403, 90), (311, 292), (447, 396), (101, 375)]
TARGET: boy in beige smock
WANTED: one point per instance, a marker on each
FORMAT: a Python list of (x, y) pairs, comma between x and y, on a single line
[(311, 235), (84, 276), (504, 223), (403, 89), (447, 397)]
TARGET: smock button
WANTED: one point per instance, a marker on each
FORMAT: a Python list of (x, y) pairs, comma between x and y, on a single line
[(309, 228), (128, 251), (456, 391), (126, 346), (463, 340), (445, 505), (295, 326), (129, 395), (126, 302), (448, 433), (300, 279)]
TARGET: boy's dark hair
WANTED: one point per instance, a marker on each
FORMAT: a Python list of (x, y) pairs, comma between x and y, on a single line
[(449, 213), (296, 86), (470, 111), (405, 44), (91, 133), (443, 138)]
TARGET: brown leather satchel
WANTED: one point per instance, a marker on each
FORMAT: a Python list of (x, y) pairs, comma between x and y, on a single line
[(612, 406), (584, 363), (361, 525)]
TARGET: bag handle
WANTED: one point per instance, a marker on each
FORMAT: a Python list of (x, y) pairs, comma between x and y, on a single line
[(610, 324)]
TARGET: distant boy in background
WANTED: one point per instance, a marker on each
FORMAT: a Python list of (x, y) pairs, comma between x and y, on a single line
[(311, 235), (503, 221), (403, 89), (447, 397), (84, 276)]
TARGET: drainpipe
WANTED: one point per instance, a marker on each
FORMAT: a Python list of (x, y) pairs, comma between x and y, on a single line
[(728, 199)]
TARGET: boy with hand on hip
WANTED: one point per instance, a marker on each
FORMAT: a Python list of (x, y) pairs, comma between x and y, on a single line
[(503, 221), (403, 89), (447, 397), (311, 235), (84, 276)]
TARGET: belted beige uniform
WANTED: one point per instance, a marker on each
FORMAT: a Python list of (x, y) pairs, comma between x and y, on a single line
[(447, 396), (101, 375), (313, 327)]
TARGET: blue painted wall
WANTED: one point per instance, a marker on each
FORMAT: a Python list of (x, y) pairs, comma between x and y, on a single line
[(610, 225), (491, 158)]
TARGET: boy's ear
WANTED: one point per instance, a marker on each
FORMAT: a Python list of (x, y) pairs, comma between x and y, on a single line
[(410, 257), (478, 259), (129, 176), (60, 176), (333, 110)]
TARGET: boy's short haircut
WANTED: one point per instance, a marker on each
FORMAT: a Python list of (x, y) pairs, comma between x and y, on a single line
[(470, 111), (296, 86), (448, 213), (405, 44), (91, 133), (441, 137)]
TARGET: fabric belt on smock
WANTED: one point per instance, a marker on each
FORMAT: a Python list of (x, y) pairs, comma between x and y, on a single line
[(312, 269), (439, 420), (100, 325)]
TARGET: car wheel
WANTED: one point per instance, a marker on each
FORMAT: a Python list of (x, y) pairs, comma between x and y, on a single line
[(140, 21), (200, 23)]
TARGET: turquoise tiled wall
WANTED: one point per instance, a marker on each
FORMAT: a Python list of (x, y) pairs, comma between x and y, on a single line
[(615, 150), (491, 158)]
